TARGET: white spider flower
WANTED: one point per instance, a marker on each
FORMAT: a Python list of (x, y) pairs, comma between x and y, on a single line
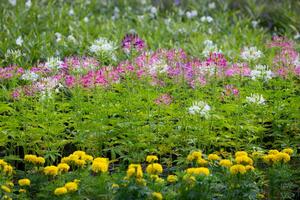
[(201, 108), (191, 14), (251, 53), (207, 19), (19, 41), (261, 72), (256, 98), (54, 63), (30, 76)]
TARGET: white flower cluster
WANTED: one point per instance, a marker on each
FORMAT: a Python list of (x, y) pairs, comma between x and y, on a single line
[(191, 14), (256, 98), (159, 66), (251, 53), (53, 63), (261, 72), (210, 47), (30, 76), (103, 46), (10, 53), (201, 108), (208, 19)]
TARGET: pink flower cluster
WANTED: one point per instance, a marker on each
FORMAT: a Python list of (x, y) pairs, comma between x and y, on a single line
[(287, 58), (159, 67)]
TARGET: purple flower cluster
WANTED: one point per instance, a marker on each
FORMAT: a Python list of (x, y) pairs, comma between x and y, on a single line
[(133, 42)]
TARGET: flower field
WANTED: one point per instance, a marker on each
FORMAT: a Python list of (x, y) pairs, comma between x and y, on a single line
[(149, 99)]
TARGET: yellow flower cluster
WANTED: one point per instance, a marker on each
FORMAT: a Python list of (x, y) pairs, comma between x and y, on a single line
[(24, 182), (68, 187), (213, 157), (100, 165), (78, 158), (243, 163), (195, 155), (198, 171), (63, 167), (172, 179), (244, 160), (151, 158), (51, 170), (157, 196), (5, 167), (154, 168), (238, 168), (225, 163), (34, 159), (274, 156), (135, 170)]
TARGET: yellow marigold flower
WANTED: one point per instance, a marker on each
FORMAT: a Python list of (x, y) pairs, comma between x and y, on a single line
[(135, 170), (60, 191), (159, 180), (198, 171), (244, 160), (131, 172), (151, 158), (8, 169), (2, 162), (80, 163), (99, 166), (40, 160), (73, 157), (22, 191), (235, 169), (63, 167), (225, 163), (288, 151), (71, 186), (157, 195), (172, 178), (100, 159), (256, 154), (282, 157), (80, 154), (202, 161), (249, 167), (154, 177), (213, 157), (273, 151), (269, 158), (241, 153), (65, 160), (30, 158), (195, 155), (87, 158), (51, 170), (154, 168), (24, 182), (5, 188)]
